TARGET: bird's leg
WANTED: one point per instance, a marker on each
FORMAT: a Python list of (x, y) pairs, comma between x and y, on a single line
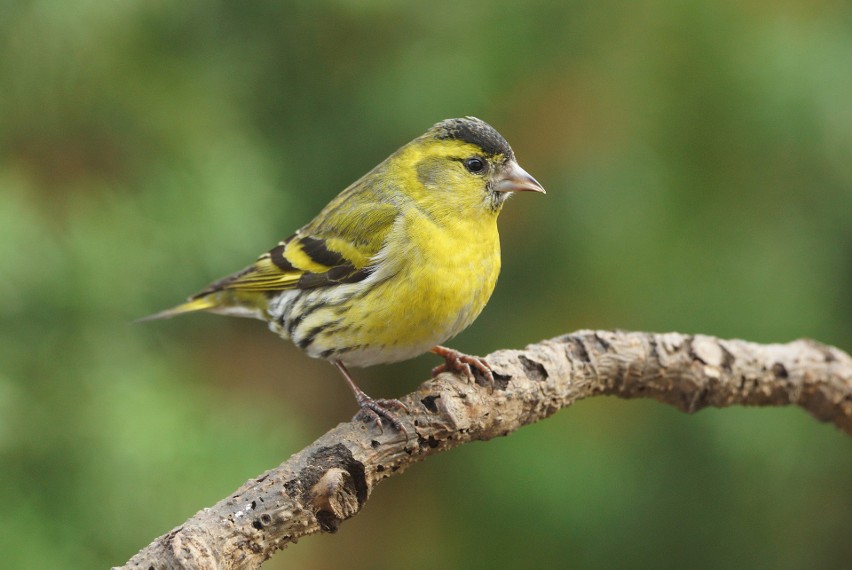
[(455, 361), (376, 409)]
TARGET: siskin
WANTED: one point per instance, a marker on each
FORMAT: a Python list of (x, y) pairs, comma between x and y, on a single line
[(402, 260)]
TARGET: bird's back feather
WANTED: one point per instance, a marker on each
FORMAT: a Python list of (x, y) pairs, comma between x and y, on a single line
[(336, 247)]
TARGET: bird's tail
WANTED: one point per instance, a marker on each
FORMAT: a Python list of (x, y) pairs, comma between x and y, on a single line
[(197, 304)]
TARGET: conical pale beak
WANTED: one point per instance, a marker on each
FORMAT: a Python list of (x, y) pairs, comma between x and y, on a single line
[(513, 178)]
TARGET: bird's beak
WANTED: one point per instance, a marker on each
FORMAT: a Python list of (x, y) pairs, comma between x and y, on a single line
[(513, 178)]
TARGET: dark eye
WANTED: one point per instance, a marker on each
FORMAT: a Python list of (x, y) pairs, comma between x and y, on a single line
[(474, 165)]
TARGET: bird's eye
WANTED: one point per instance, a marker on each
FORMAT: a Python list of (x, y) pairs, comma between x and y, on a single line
[(474, 165)]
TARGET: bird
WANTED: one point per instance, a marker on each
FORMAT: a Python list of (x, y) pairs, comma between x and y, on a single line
[(399, 262)]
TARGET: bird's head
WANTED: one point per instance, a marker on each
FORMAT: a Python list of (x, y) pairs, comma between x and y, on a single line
[(465, 165)]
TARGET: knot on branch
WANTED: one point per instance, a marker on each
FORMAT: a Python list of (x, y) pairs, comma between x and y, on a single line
[(334, 499), (333, 484)]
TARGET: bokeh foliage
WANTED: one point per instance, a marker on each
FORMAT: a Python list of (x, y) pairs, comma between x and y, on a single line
[(698, 160)]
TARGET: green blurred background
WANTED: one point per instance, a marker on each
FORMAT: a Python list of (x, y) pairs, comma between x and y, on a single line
[(698, 162)]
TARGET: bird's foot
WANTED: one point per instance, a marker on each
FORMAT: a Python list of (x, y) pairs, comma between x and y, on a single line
[(378, 408), (375, 409), (461, 363)]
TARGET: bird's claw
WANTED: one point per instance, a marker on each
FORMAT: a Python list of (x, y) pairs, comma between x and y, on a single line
[(461, 363), (376, 409)]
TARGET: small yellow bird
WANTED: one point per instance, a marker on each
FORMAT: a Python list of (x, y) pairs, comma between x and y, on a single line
[(400, 261)]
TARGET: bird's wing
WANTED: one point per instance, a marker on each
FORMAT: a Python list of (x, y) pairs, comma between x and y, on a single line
[(337, 247)]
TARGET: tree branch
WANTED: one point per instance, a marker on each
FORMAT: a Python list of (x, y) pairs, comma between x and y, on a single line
[(330, 480)]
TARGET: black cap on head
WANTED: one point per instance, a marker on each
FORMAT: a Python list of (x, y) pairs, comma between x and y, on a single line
[(474, 131)]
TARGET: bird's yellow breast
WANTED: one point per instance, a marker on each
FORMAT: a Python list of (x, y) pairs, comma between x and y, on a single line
[(446, 275)]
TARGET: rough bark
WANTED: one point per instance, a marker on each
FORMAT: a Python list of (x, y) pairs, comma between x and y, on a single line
[(330, 480)]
